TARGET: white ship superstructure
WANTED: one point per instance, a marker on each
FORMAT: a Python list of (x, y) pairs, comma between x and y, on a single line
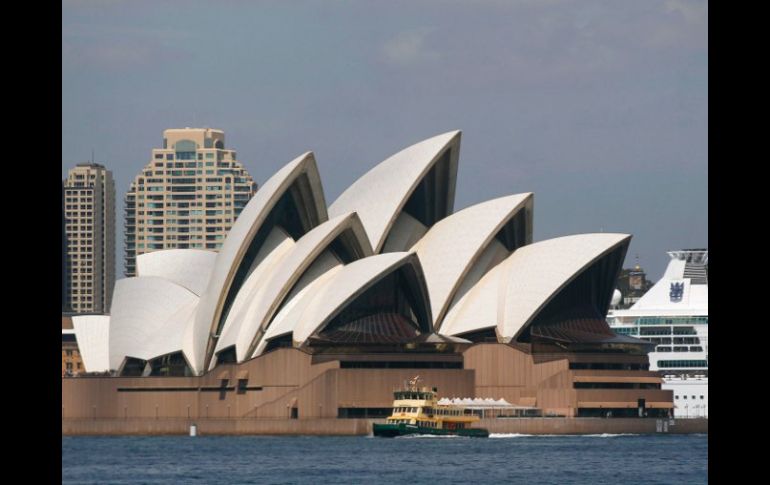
[(673, 315)]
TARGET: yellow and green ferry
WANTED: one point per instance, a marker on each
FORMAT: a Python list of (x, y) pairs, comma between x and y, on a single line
[(416, 411)]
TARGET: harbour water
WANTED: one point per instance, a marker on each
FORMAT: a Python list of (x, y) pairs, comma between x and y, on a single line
[(510, 458)]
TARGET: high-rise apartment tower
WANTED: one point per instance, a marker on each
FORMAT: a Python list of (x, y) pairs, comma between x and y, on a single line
[(188, 196), (89, 229)]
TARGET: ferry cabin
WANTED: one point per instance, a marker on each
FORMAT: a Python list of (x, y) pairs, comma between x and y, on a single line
[(420, 408)]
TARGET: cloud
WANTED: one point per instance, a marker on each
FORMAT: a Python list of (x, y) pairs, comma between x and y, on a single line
[(408, 48)]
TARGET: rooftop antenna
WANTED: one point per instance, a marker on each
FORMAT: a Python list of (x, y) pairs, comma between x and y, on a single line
[(92, 156)]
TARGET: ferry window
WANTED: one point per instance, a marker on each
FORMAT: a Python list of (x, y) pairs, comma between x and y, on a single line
[(701, 397), (685, 397), (676, 397), (693, 397)]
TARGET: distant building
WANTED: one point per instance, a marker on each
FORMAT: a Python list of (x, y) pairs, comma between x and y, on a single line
[(89, 236), (632, 283), (64, 301), (71, 362), (187, 197)]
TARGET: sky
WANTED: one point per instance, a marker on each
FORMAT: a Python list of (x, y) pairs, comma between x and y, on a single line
[(598, 107)]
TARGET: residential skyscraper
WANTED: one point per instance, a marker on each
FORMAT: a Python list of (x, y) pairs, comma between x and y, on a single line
[(187, 196), (89, 231)]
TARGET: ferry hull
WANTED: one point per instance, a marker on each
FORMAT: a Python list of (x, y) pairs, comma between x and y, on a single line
[(393, 430)]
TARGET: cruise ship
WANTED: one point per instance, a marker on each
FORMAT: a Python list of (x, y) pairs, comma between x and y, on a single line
[(673, 315)]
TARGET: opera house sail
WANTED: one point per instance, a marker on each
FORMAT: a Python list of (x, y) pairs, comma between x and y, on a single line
[(304, 302)]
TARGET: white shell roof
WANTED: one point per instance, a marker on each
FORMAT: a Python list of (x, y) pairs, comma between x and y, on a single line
[(141, 310), (343, 287), (477, 308), (380, 194), (277, 245), (280, 281), (452, 246), (238, 240), (405, 233), (535, 273), (291, 312), (93, 335), (186, 267), (493, 254), (167, 340), (248, 332)]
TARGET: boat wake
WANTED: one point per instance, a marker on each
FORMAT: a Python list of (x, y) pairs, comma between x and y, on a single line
[(432, 436)]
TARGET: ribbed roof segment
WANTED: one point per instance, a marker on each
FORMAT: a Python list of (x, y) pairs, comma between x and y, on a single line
[(239, 239), (453, 245), (380, 194)]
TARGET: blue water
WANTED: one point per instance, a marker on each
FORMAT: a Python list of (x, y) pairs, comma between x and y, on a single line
[(593, 459)]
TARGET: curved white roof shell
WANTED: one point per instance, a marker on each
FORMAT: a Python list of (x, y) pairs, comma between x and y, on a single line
[(535, 273), (280, 281), (190, 268), (405, 233), (380, 194), (248, 331), (238, 240), (290, 314), (93, 335), (343, 287), (477, 308), (276, 247), (167, 340), (453, 245), (142, 310), (490, 257)]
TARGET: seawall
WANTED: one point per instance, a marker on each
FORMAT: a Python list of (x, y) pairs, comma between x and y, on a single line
[(358, 427)]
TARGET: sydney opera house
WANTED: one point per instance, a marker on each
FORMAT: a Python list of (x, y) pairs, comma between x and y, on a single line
[(312, 310)]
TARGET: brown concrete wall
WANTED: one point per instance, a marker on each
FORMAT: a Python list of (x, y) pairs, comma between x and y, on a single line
[(500, 365), (374, 387), (277, 373), (510, 373), (624, 395), (286, 378)]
